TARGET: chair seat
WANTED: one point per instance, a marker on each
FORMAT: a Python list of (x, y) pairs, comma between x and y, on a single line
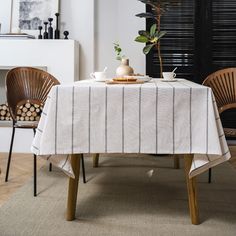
[(26, 125), (230, 132)]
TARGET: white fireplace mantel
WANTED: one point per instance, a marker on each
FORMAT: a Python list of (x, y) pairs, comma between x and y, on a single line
[(59, 57)]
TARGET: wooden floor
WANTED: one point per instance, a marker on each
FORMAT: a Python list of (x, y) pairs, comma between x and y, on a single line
[(22, 170)]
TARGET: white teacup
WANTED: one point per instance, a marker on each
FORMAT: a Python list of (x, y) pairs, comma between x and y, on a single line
[(99, 75), (169, 75)]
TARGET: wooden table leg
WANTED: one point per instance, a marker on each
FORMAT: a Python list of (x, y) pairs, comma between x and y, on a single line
[(176, 161), (73, 188), (95, 160), (192, 191)]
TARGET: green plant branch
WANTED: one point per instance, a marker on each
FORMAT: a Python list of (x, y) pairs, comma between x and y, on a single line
[(118, 51), (152, 39)]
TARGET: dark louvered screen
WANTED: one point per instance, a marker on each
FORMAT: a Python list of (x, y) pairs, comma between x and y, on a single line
[(224, 43), (201, 38), (224, 33), (177, 46)]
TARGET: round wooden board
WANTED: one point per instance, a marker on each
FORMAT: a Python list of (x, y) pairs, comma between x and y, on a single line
[(125, 82)]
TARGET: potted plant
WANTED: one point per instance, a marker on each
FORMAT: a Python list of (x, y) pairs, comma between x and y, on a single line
[(152, 37)]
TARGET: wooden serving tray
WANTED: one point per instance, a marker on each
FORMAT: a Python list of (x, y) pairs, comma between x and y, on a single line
[(125, 82)]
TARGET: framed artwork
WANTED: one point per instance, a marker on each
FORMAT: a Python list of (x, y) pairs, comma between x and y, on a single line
[(28, 15)]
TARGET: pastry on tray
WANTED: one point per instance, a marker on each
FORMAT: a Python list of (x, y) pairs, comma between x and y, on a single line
[(122, 79)]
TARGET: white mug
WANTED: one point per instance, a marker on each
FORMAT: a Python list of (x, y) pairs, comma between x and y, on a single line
[(98, 75), (169, 75)]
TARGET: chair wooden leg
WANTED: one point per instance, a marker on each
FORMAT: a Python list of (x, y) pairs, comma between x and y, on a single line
[(10, 152), (209, 175), (95, 160), (83, 168), (73, 187), (50, 167), (176, 162), (192, 191), (35, 170), (35, 175)]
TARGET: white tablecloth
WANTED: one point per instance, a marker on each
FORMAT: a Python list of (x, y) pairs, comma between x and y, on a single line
[(155, 117)]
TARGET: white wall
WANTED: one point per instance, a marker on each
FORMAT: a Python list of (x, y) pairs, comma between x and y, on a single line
[(5, 13), (96, 24), (77, 16), (129, 25), (116, 22)]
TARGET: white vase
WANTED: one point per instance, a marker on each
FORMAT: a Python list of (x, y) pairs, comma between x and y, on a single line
[(124, 68)]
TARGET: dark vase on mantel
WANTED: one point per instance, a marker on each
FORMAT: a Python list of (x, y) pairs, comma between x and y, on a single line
[(45, 34), (50, 29), (57, 31)]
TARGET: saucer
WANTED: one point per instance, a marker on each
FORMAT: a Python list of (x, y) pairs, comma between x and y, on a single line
[(101, 80)]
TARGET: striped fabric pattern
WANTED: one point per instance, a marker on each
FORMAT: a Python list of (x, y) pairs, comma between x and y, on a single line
[(155, 117)]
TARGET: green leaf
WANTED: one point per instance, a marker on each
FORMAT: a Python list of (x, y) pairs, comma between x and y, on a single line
[(117, 48), (144, 33), (146, 15), (153, 30), (147, 48), (160, 34), (141, 39), (118, 51)]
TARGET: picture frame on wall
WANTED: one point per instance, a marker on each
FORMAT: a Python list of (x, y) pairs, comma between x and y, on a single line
[(28, 15)]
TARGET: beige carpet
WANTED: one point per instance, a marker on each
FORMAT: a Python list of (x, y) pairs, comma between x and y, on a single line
[(121, 198)]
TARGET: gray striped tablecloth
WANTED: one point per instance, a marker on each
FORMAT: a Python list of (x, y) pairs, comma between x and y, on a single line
[(155, 117)]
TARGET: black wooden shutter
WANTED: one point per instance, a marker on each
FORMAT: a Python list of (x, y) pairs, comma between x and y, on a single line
[(223, 34), (224, 44), (201, 39), (177, 46)]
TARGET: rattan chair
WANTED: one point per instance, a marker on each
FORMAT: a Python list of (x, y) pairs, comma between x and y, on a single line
[(28, 85), (223, 85)]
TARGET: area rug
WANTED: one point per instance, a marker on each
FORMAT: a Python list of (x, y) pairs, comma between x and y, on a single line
[(126, 195)]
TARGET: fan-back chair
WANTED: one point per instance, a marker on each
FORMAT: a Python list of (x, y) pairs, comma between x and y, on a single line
[(28, 85), (223, 85)]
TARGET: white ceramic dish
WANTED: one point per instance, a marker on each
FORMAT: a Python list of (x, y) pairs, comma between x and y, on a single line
[(145, 78), (169, 80)]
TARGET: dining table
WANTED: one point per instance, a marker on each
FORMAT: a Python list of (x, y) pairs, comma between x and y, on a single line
[(156, 117)]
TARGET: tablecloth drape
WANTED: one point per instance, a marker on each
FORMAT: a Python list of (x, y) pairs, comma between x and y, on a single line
[(155, 117)]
